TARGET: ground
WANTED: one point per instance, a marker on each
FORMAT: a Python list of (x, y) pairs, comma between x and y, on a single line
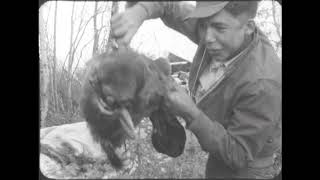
[(145, 161)]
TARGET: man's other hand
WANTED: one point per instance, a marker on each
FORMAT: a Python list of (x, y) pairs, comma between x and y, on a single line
[(181, 103)]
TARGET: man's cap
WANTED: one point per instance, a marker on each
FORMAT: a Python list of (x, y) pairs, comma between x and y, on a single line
[(206, 9)]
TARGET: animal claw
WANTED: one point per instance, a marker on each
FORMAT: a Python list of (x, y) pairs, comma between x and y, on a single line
[(127, 124), (103, 110)]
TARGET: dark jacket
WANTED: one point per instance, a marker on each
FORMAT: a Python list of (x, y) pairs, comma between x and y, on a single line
[(241, 128)]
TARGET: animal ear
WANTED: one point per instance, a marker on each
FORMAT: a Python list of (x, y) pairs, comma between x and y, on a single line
[(92, 75), (168, 135), (163, 65), (93, 80)]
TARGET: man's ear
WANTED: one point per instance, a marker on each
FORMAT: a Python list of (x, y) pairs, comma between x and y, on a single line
[(164, 65), (250, 27)]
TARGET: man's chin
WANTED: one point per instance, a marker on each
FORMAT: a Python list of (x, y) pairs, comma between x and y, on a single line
[(217, 57), (215, 54)]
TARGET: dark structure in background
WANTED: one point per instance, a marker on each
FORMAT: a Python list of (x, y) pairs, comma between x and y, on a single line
[(178, 63)]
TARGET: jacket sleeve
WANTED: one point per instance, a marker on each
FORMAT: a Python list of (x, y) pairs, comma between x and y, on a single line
[(173, 15), (254, 116)]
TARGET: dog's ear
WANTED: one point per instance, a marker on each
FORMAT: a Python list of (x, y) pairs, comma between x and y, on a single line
[(168, 135), (163, 65)]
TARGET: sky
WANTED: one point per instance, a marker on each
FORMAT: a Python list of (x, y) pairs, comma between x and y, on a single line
[(157, 39), (154, 37), (63, 26)]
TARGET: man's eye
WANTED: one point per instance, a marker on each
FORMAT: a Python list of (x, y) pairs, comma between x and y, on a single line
[(202, 25), (220, 29)]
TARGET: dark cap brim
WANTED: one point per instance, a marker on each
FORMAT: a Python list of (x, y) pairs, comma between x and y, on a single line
[(203, 12)]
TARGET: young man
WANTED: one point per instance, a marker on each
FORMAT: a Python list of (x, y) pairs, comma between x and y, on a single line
[(235, 82)]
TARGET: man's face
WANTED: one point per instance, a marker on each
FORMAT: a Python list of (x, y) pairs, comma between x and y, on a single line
[(223, 34)]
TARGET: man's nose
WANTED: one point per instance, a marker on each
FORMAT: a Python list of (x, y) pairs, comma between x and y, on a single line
[(210, 36)]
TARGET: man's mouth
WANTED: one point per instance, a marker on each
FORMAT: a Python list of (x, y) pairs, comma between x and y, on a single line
[(213, 52)]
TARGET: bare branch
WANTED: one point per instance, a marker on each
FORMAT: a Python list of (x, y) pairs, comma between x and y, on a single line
[(83, 33), (95, 34), (72, 44), (104, 41), (80, 24), (83, 30), (99, 7), (82, 27), (100, 29), (46, 23), (82, 10), (80, 57), (54, 56), (71, 49), (105, 9), (65, 60)]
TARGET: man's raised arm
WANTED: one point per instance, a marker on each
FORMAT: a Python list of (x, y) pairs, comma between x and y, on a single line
[(173, 14), (126, 24)]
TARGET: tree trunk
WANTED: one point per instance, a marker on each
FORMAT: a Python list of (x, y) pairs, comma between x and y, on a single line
[(70, 62), (44, 71), (95, 31), (54, 59), (52, 103)]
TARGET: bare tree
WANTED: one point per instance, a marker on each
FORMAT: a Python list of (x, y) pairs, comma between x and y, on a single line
[(54, 58), (44, 71), (70, 61), (81, 30), (47, 47), (105, 27), (95, 31), (75, 38)]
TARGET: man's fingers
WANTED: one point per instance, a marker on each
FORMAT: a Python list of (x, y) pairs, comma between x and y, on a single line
[(128, 36), (117, 24), (120, 31), (115, 18), (126, 39)]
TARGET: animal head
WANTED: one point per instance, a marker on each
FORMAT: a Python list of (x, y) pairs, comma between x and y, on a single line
[(120, 89)]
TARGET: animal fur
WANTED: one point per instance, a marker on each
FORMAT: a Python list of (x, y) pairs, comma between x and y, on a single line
[(125, 79)]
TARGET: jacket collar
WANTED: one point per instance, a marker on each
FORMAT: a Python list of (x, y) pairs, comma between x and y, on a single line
[(201, 61)]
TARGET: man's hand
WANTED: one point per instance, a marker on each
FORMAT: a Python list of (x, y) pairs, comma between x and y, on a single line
[(181, 104), (125, 25)]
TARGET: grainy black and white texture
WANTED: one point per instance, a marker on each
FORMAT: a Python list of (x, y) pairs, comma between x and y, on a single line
[(127, 80)]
